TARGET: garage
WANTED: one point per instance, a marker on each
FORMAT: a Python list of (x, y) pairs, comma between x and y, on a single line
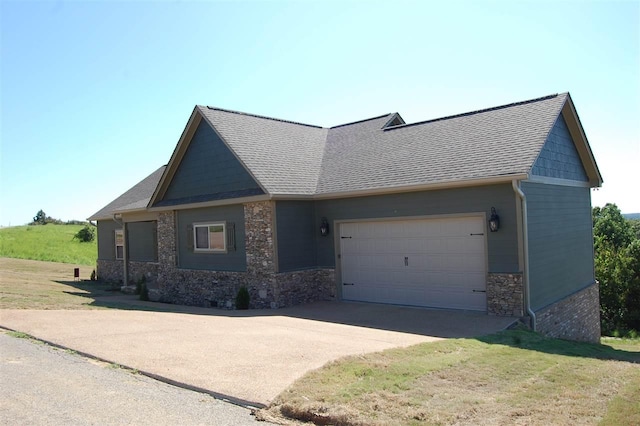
[(437, 262)]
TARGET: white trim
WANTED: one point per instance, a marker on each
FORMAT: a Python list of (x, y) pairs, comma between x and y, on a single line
[(557, 181), (420, 217), (208, 225), (115, 243)]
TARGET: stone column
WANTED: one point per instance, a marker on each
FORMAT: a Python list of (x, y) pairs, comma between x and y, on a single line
[(505, 295), (260, 252), (166, 246)]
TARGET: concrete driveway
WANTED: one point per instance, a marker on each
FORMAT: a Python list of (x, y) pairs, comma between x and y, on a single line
[(247, 357)]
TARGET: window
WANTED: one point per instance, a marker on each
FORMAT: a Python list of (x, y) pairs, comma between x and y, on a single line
[(119, 244), (210, 237)]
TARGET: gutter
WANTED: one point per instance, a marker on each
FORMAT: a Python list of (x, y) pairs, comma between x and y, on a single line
[(525, 251)]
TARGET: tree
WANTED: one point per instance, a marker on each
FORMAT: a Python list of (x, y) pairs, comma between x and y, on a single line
[(85, 235), (40, 218), (617, 268)]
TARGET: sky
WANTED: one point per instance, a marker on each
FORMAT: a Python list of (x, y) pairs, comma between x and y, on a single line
[(94, 95)]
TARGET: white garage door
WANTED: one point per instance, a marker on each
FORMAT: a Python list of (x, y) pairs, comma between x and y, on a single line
[(432, 262)]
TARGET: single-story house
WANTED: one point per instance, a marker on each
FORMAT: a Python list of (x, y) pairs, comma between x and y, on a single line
[(488, 210)]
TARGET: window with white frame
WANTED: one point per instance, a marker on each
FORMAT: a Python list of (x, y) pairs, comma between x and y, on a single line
[(119, 238), (210, 237)]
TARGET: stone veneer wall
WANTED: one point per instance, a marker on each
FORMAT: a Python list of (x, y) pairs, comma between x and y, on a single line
[(219, 288), (505, 295), (136, 270), (576, 317), (109, 270)]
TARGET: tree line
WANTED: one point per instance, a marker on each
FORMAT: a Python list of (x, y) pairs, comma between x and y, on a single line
[(617, 268), (85, 235)]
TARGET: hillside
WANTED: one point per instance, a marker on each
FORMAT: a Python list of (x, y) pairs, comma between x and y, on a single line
[(53, 243)]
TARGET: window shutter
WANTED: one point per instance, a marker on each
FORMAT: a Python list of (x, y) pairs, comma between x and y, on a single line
[(190, 237), (231, 236)]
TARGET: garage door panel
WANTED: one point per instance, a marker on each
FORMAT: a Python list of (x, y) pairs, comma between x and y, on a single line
[(431, 262)]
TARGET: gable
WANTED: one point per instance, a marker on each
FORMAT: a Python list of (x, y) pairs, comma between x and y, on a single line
[(559, 157), (208, 171)]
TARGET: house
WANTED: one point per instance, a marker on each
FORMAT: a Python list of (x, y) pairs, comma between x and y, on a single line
[(376, 210)]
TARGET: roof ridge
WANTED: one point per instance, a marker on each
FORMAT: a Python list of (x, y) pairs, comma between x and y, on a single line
[(466, 114), (263, 117), (361, 121)]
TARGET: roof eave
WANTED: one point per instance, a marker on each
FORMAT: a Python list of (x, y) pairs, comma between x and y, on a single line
[(584, 149), (406, 188), (178, 151), (224, 202)]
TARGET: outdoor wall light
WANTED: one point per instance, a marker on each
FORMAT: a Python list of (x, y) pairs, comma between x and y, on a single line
[(324, 227), (494, 220)]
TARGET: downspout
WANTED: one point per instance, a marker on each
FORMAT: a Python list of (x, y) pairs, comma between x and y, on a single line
[(525, 251), (125, 271)]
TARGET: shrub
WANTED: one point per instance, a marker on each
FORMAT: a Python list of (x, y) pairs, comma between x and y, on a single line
[(242, 298), (85, 235), (144, 292), (140, 284)]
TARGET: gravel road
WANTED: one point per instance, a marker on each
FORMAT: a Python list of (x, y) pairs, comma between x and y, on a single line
[(40, 384)]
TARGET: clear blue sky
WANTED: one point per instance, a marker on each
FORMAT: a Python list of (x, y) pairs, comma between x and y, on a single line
[(95, 95)]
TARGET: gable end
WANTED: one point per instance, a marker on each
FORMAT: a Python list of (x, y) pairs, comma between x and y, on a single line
[(559, 157), (207, 171)]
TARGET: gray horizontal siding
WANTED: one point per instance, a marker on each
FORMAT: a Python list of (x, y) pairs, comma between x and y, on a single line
[(502, 245), (559, 157), (234, 260), (107, 239), (142, 241), (208, 171), (560, 241), (296, 235)]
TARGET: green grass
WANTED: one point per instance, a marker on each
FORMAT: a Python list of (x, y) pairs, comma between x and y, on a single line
[(513, 377), (52, 243)]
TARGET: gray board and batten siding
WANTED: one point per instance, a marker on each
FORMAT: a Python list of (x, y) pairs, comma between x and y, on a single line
[(233, 260), (142, 241), (560, 241), (294, 230), (107, 239), (208, 171)]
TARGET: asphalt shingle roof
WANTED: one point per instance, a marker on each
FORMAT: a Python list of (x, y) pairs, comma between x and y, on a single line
[(296, 159), (489, 143), (283, 156), (290, 158), (136, 198)]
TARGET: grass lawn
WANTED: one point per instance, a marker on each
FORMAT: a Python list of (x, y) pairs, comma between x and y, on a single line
[(52, 243), (513, 377), (30, 284)]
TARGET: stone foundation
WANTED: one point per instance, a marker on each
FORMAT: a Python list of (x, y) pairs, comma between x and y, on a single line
[(219, 289), (295, 288), (110, 270), (136, 270), (576, 317), (505, 295)]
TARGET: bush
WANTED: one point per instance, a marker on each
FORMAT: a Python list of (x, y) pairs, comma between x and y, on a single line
[(85, 235), (242, 298), (144, 292)]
